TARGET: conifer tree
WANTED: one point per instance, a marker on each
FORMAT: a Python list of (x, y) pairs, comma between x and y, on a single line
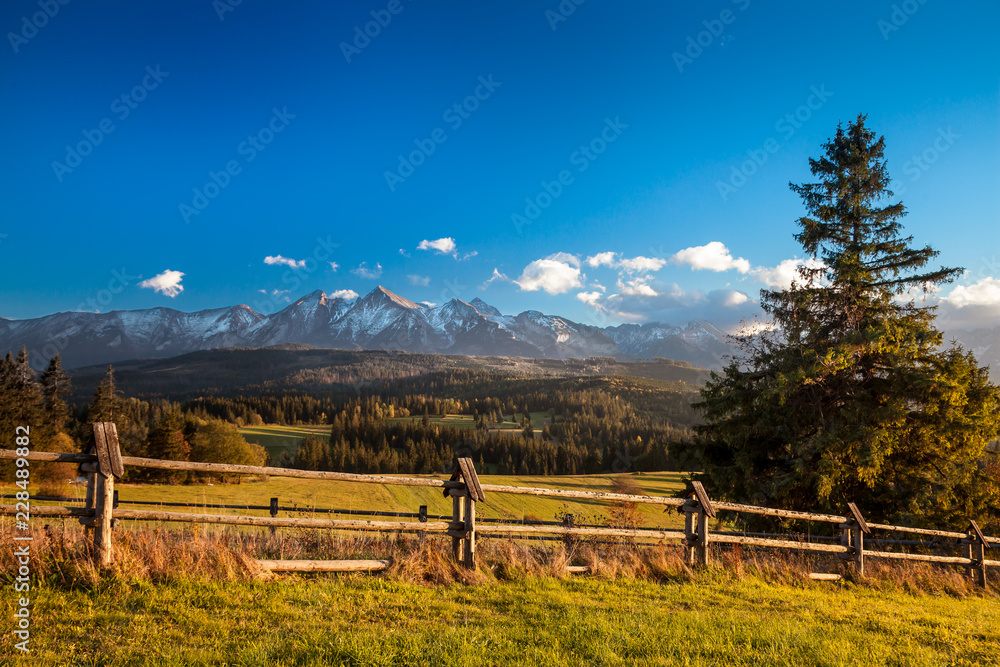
[(55, 388), (852, 397)]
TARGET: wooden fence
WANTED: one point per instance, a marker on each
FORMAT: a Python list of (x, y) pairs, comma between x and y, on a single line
[(103, 463)]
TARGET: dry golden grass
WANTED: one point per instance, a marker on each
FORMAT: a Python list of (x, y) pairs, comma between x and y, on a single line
[(62, 556)]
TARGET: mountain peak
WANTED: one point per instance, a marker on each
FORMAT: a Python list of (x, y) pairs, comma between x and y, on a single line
[(484, 308), (382, 294)]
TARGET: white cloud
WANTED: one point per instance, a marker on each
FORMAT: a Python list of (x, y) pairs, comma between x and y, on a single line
[(642, 264), (555, 274), (403, 253), (713, 256), (602, 259), (429, 304), (972, 306), (345, 294), (369, 274), (262, 291), (986, 292), (497, 276), (638, 264), (419, 281), (636, 288), (781, 276), (671, 304), (291, 263), (445, 246), (334, 266), (167, 283)]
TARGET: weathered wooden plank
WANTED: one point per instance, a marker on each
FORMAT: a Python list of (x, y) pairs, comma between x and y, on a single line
[(114, 449), (471, 479), (856, 515), (824, 576), (104, 490), (917, 531), (899, 555), (288, 522), (469, 546), (578, 569), (227, 468), (595, 495), (508, 529), (702, 497), (780, 544), (768, 511), (48, 510), (101, 449), (324, 565), (974, 528)]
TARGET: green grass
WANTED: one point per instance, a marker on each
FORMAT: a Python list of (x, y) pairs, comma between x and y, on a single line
[(277, 439), (392, 498), (710, 619)]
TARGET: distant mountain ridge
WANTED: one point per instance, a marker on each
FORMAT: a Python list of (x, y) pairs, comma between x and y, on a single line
[(380, 320)]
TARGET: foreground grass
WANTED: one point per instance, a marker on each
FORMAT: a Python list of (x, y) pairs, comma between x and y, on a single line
[(710, 618)]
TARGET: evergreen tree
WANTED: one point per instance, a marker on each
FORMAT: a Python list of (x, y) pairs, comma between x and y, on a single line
[(107, 402), (851, 397), (55, 387)]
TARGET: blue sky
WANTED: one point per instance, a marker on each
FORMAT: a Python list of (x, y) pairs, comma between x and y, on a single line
[(463, 141)]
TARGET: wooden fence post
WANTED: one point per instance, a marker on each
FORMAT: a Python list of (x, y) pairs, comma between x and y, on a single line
[(473, 491), (697, 510), (456, 517), (274, 512), (853, 532), (975, 549), (109, 460)]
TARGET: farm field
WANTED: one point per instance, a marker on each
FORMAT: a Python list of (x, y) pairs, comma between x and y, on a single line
[(277, 439), (711, 619), (320, 494)]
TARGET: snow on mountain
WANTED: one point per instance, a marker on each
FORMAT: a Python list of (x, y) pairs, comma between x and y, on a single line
[(378, 320), (484, 308)]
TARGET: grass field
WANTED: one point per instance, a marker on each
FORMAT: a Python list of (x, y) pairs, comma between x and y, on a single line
[(391, 498), (277, 439), (712, 618)]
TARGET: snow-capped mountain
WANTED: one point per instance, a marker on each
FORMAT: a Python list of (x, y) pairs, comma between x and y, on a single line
[(699, 343), (378, 320)]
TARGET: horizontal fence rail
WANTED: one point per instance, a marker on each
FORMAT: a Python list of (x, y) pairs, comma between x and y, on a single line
[(102, 510)]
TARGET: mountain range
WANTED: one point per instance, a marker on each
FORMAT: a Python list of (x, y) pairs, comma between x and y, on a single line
[(380, 320)]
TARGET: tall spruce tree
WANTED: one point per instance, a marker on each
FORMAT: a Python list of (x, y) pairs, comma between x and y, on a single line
[(852, 397), (55, 388), (107, 403)]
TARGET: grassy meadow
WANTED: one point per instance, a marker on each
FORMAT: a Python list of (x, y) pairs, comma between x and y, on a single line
[(711, 618)]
